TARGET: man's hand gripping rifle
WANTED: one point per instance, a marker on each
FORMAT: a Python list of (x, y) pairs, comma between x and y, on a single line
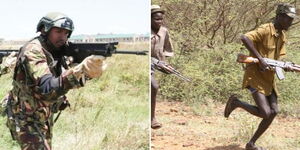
[(168, 69), (277, 65)]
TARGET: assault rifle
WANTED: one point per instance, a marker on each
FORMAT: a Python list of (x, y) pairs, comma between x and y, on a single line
[(276, 65), (79, 51), (164, 67)]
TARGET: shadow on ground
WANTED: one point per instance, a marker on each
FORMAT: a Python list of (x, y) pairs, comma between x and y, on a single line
[(229, 147)]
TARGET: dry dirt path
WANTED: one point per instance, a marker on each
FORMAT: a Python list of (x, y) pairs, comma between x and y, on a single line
[(209, 130)]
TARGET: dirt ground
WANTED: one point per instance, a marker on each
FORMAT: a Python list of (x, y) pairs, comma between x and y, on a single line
[(184, 130)]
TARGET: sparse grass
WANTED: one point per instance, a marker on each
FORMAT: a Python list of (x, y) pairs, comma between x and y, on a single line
[(247, 126), (109, 113)]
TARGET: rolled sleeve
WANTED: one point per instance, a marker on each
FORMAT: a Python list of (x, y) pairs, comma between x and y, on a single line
[(256, 35), (168, 47)]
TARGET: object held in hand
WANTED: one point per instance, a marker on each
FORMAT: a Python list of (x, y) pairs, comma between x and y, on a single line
[(276, 65), (168, 69)]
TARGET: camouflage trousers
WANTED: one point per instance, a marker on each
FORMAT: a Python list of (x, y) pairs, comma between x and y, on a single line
[(31, 136)]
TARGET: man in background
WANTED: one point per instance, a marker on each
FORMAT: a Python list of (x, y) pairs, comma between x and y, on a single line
[(161, 48)]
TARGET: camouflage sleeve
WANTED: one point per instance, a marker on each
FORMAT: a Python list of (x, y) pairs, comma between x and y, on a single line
[(49, 86), (37, 61)]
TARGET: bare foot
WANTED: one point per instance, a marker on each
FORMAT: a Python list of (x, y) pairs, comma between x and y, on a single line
[(251, 146), (155, 124), (230, 105)]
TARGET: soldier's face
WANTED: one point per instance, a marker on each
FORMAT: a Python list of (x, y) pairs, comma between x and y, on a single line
[(157, 20), (58, 36), (285, 21)]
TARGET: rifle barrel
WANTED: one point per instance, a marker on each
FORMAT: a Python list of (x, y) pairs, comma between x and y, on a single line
[(182, 77), (3, 51), (296, 69), (131, 52)]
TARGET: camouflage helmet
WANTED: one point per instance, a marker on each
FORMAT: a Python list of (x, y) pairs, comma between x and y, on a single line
[(55, 19)]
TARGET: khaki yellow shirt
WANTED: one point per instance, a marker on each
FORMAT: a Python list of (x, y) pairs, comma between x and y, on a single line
[(161, 46), (269, 44)]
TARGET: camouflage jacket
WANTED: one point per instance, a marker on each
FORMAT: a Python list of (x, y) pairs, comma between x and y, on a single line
[(38, 84)]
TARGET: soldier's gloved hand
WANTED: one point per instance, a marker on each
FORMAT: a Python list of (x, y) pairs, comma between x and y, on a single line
[(92, 67)]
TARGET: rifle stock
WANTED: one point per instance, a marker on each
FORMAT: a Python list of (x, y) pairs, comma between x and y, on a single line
[(241, 58)]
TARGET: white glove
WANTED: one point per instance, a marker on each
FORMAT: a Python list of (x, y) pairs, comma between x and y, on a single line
[(92, 66)]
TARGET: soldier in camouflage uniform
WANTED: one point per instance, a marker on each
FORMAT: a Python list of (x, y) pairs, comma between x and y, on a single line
[(39, 82)]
